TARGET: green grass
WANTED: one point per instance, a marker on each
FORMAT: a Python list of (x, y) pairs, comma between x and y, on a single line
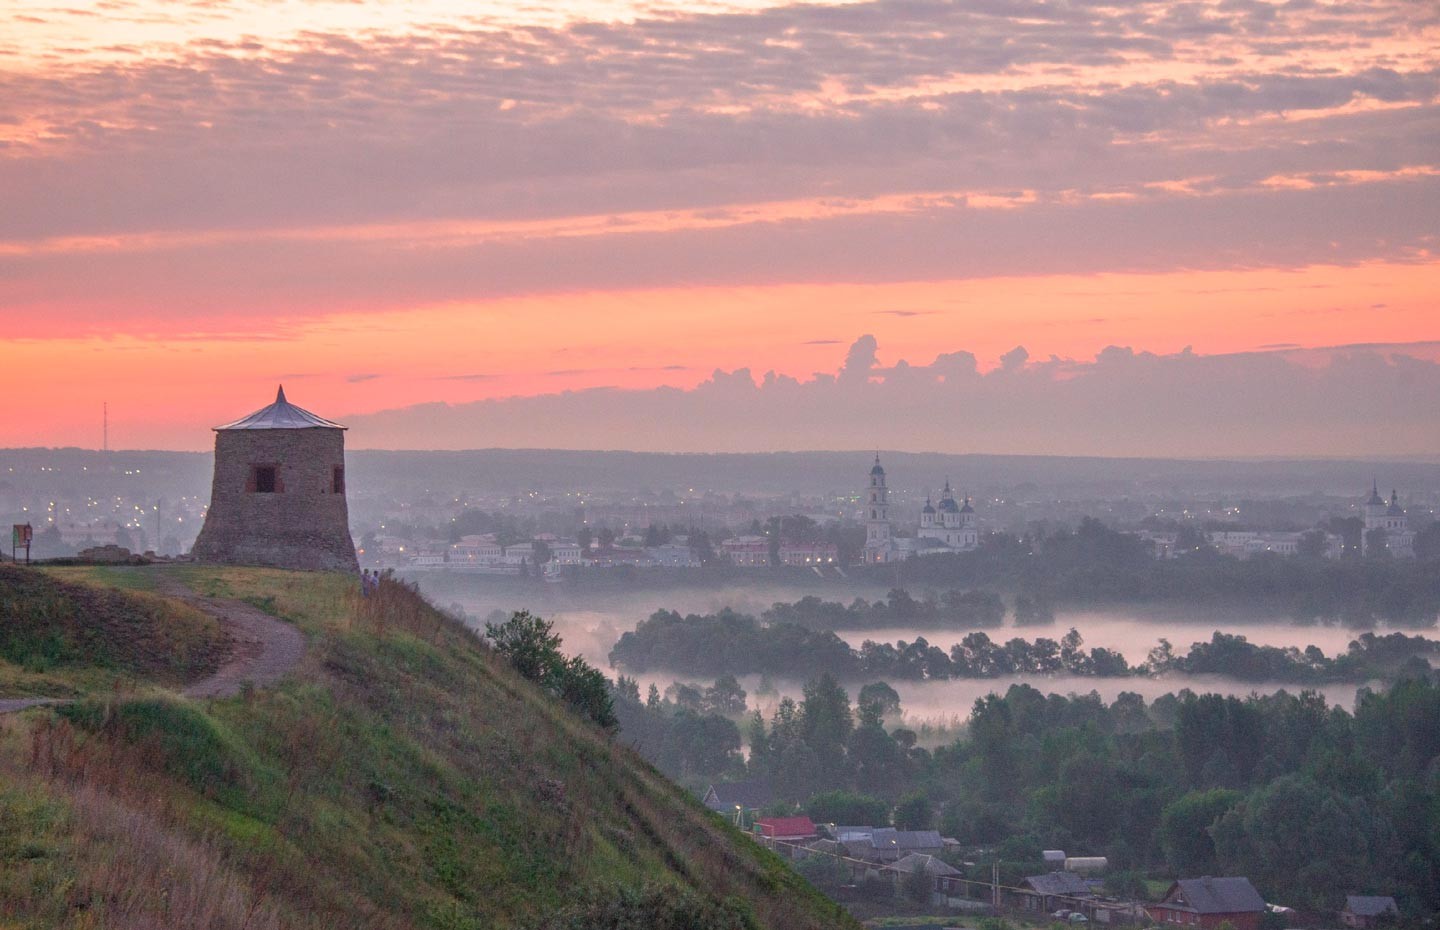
[(404, 777), (61, 637)]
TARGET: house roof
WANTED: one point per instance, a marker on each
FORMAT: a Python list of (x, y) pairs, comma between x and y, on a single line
[(749, 794), (1367, 905), (786, 826), (1218, 895), (281, 415), (1061, 883), (921, 862), (890, 838)]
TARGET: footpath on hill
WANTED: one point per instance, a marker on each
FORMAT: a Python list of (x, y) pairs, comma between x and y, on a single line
[(264, 649)]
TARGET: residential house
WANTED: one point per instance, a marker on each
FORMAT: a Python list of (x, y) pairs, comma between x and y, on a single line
[(1208, 902), (886, 844), (785, 834), (940, 873), (1053, 891), (1364, 911), (728, 798)]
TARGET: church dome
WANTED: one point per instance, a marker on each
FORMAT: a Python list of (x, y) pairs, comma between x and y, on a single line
[(948, 505), (877, 470), (1395, 510), (281, 415), (928, 508), (967, 508)]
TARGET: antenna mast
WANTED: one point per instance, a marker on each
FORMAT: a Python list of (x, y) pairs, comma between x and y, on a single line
[(105, 428)]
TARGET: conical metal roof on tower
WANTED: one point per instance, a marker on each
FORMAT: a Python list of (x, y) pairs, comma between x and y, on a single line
[(281, 415)]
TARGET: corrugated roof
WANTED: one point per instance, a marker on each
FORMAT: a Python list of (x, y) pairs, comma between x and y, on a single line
[(1058, 883), (786, 826), (917, 862), (281, 415), (1221, 895), (1366, 905)]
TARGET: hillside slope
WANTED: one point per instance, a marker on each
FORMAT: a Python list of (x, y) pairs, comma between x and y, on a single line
[(59, 638), (403, 777)]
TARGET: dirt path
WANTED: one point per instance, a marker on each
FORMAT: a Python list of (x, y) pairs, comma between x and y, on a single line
[(265, 649)]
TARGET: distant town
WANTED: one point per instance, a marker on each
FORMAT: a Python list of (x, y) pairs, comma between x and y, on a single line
[(156, 502)]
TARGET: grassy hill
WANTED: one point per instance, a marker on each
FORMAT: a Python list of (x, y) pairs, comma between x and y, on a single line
[(60, 638), (404, 776)]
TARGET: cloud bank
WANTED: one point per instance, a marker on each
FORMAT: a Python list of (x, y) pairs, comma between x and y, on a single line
[(1344, 402)]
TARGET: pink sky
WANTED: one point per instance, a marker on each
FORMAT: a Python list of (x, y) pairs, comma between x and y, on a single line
[(394, 204)]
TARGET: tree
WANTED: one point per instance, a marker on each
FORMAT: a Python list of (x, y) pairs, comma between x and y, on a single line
[(685, 697), (526, 641), (725, 697), (1427, 542), (1377, 545), (825, 725), (534, 651), (586, 689), (1303, 842), (585, 537), (881, 696), (914, 812), (1314, 545), (1185, 826), (847, 807)]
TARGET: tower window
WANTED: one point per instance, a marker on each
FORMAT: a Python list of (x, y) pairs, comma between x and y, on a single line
[(264, 479), (337, 484)]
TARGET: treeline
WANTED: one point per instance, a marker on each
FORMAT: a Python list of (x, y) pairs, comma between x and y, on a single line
[(689, 733), (955, 608), (731, 643), (1095, 564), (1309, 801)]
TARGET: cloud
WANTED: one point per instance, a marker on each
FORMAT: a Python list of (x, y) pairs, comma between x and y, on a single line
[(358, 379), (302, 173), (1122, 402)]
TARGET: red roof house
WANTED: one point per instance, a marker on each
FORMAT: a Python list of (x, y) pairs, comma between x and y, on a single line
[(791, 829)]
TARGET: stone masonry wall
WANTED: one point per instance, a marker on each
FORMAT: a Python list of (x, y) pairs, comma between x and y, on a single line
[(304, 524)]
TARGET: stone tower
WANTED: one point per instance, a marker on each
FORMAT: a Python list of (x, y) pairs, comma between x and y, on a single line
[(877, 516), (278, 497)]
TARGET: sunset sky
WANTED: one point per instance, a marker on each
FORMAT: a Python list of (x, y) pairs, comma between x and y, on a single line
[(434, 219)]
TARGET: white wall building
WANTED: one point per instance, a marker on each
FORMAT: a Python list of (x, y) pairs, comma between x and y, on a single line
[(1392, 520)]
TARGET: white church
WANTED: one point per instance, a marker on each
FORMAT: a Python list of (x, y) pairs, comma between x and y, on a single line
[(1392, 520), (944, 528)]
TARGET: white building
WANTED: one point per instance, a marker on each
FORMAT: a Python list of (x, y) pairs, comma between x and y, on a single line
[(565, 552), (673, 555), (477, 550), (879, 544), (1390, 519), (950, 523)]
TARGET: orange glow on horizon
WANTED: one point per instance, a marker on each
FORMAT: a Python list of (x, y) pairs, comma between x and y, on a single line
[(166, 393)]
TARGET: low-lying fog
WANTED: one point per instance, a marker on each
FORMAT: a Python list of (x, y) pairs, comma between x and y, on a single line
[(590, 621)]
